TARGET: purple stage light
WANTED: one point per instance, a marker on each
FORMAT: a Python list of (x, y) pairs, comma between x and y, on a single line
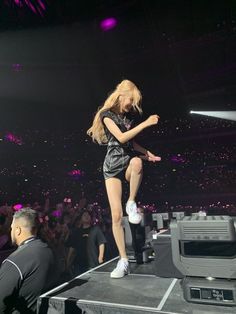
[(57, 213), (38, 7), (16, 67), (76, 173), (108, 23), (30, 5), (17, 207), (42, 4), (178, 159), (10, 137)]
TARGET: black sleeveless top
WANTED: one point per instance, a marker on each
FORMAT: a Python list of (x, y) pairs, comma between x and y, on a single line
[(118, 155)]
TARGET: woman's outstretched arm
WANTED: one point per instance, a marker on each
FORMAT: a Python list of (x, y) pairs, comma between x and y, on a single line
[(128, 135)]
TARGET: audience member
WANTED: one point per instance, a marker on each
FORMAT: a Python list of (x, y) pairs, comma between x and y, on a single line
[(26, 273), (86, 245)]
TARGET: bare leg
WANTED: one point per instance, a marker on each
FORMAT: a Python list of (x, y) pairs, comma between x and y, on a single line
[(134, 174), (114, 192)]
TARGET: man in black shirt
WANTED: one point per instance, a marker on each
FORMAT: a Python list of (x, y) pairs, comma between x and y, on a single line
[(25, 274), (86, 244)]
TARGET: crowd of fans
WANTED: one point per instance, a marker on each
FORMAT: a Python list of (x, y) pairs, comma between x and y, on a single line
[(192, 126), (198, 156)]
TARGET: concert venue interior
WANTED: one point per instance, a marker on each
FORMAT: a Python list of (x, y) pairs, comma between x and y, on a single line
[(59, 61)]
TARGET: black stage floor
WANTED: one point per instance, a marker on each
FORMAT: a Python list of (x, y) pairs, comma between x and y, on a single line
[(140, 292)]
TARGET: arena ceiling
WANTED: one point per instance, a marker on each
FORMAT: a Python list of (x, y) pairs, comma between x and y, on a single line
[(56, 58)]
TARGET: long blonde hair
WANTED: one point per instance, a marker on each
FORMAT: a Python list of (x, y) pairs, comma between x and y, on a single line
[(125, 88)]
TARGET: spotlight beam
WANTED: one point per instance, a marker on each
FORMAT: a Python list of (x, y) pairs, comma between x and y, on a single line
[(228, 115)]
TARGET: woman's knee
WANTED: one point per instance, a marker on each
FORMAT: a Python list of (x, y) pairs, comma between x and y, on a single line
[(117, 218), (137, 164)]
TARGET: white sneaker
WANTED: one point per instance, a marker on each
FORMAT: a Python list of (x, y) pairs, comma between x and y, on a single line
[(122, 269), (134, 216)]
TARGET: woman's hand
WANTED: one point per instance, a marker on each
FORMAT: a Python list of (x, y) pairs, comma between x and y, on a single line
[(152, 120), (150, 157)]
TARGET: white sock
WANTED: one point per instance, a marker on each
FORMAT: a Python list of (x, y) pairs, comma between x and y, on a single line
[(131, 202)]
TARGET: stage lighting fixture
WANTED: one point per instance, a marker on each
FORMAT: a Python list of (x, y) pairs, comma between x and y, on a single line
[(203, 248), (228, 115)]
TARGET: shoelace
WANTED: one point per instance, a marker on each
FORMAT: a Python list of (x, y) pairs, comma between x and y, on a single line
[(133, 208), (122, 265)]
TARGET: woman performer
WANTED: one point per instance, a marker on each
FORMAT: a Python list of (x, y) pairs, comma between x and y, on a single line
[(111, 126)]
